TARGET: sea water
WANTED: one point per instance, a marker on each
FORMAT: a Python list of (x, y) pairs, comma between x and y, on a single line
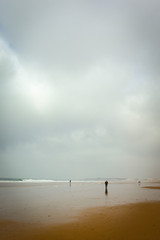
[(50, 201)]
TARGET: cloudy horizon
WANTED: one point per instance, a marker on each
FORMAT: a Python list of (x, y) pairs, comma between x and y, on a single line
[(79, 89)]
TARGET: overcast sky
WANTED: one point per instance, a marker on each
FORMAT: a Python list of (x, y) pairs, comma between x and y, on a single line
[(79, 88)]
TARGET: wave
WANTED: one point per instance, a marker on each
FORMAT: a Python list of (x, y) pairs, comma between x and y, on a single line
[(37, 180), (85, 180), (11, 180)]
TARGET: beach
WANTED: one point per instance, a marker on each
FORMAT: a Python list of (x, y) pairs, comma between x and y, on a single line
[(133, 221), (104, 217)]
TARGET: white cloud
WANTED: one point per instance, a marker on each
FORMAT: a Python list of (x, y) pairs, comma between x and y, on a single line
[(80, 86)]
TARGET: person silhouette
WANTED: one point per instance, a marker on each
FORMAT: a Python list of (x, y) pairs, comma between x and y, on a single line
[(106, 185)]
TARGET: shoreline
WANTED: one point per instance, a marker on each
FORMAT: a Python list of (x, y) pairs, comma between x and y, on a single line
[(129, 221)]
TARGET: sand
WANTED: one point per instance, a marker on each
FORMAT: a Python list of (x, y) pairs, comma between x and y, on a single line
[(152, 187), (130, 221)]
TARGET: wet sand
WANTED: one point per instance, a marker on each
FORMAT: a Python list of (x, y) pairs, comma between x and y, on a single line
[(152, 187), (56, 203), (130, 221)]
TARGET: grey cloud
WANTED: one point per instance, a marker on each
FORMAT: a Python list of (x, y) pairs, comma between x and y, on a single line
[(80, 88)]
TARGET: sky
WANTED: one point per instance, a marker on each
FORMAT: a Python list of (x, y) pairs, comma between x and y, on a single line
[(79, 88)]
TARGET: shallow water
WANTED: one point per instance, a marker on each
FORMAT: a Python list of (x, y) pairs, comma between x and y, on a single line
[(61, 202)]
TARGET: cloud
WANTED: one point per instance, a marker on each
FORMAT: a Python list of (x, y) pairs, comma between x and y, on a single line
[(79, 87)]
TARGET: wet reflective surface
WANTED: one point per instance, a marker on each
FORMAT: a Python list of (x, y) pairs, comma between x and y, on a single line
[(61, 202)]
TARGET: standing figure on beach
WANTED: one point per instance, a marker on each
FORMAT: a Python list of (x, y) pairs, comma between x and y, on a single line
[(106, 185)]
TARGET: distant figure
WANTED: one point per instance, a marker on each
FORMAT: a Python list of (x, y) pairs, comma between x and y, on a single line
[(70, 182), (139, 182), (106, 185)]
